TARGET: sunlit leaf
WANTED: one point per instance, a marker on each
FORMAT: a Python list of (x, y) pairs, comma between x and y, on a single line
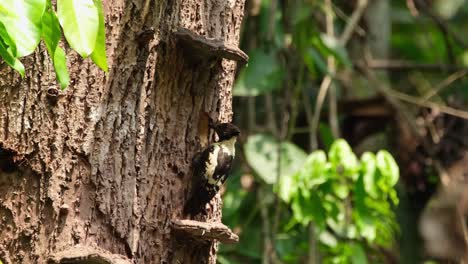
[(314, 170), (9, 42), (99, 52), (388, 167), (10, 59), (80, 23), (358, 255), (342, 158), (369, 170), (60, 65), (308, 207), (22, 20), (341, 190), (51, 33)]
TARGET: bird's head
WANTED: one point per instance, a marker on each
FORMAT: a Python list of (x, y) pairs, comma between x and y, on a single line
[(226, 131)]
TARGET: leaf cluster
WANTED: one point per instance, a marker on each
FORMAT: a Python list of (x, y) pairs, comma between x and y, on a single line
[(349, 201), (24, 23)]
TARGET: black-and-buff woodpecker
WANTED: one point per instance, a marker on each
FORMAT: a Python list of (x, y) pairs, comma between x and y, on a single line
[(212, 167)]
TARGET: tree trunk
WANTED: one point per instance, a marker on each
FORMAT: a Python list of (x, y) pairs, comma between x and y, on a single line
[(100, 171)]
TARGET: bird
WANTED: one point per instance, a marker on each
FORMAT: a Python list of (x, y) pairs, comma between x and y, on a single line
[(211, 167)]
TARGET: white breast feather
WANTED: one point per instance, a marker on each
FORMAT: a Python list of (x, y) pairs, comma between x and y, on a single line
[(210, 166), (227, 146)]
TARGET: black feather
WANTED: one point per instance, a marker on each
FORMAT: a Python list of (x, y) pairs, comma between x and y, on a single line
[(203, 191)]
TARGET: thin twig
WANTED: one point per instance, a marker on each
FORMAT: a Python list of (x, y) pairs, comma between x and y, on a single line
[(251, 122), (389, 94), (318, 107), (412, 7), (401, 65), (313, 252), (270, 112), (353, 22), (331, 66), (327, 81), (446, 82), (294, 101), (265, 227), (310, 118), (333, 118)]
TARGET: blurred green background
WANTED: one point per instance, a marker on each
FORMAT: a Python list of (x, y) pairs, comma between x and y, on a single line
[(351, 113)]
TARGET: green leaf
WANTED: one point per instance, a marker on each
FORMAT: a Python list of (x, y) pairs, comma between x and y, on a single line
[(22, 20), (388, 167), (313, 58), (314, 172), (342, 158), (51, 33), (358, 256), (10, 59), (80, 23), (60, 65), (99, 53), (307, 206), (326, 135), (287, 188), (7, 39), (262, 75), (341, 190), (369, 170), (262, 151)]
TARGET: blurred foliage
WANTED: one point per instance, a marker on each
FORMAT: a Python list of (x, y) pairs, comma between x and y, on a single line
[(349, 201), (292, 195)]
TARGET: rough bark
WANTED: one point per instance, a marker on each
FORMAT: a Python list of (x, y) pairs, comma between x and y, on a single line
[(98, 173)]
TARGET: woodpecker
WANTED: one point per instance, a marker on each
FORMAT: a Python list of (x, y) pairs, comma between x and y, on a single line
[(211, 167)]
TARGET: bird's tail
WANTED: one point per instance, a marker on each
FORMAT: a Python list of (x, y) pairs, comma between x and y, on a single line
[(197, 202)]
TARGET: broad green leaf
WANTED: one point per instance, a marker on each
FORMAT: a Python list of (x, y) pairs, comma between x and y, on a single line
[(51, 33), (306, 207), (388, 167), (262, 75), (262, 151), (80, 23), (7, 39), (358, 256), (99, 53), (314, 170), (287, 188), (341, 190), (364, 221), (60, 65), (369, 170), (312, 59), (342, 158), (10, 59), (22, 20)]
